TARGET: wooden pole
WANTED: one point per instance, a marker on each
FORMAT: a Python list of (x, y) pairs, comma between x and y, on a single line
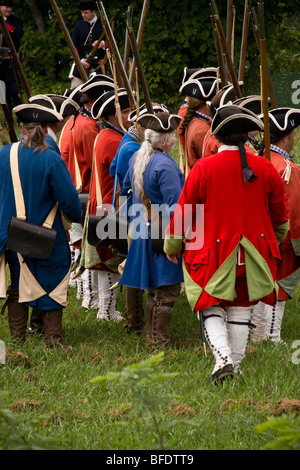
[(264, 87)]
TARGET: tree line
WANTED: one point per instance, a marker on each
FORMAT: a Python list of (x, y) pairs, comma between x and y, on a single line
[(177, 34)]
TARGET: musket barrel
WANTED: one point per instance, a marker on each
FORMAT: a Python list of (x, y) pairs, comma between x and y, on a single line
[(69, 41), (264, 87), (139, 36), (139, 64)]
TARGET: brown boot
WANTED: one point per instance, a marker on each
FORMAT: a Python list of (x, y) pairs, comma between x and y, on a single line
[(53, 327), (17, 316), (150, 304), (162, 315), (134, 310)]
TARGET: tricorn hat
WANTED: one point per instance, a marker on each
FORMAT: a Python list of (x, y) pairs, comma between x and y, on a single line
[(160, 122), (33, 112), (64, 105), (283, 120), (97, 85), (189, 74), (105, 104), (157, 108), (224, 96), (87, 5), (232, 119), (252, 102), (203, 88)]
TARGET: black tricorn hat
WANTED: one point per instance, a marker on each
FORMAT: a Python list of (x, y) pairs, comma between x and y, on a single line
[(157, 108), (252, 102), (283, 120), (97, 85), (33, 112), (224, 96), (6, 3), (74, 94), (189, 74), (232, 119), (64, 105), (160, 122), (87, 5), (105, 104), (203, 88)]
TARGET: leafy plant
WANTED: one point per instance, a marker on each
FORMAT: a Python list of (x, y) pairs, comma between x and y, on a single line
[(141, 377), (287, 429)]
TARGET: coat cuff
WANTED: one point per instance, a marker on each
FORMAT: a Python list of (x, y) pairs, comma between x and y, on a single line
[(172, 245), (281, 231)]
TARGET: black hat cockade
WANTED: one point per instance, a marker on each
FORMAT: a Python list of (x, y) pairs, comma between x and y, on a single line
[(160, 122), (157, 108), (190, 74), (283, 120), (33, 112), (105, 104), (97, 85), (232, 119), (203, 88), (64, 105)]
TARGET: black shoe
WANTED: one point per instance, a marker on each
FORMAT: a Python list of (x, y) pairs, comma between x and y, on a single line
[(221, 374), (32, 328)]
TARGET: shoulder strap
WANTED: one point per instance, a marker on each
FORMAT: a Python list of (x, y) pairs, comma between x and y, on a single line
[(19, 199), (14, 168)]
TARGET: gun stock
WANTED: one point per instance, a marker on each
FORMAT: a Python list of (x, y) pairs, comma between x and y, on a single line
[(69, 41)]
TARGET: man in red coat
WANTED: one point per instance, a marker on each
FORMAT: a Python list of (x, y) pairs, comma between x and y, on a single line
[(113, 128), (268, 319), (197, 118), (76, 146), (230, 255)]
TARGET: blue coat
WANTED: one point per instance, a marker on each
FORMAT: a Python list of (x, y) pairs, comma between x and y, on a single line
[(119, 166), (163, 182), (45, 180)]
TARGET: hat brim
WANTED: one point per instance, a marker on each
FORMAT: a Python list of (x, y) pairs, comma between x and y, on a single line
[(105, 104), (36, 113), (160, 122), (236, 121)]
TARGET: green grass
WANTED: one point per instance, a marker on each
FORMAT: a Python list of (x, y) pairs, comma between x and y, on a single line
[(83, 415)]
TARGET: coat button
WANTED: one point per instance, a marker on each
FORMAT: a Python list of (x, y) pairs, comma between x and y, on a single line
[(262, 235), (218, 241)]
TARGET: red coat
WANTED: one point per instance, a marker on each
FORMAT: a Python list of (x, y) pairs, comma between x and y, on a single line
[(195, 135), (106, 148), (81, 140), (181, 136), (288, 275), (237, 263)]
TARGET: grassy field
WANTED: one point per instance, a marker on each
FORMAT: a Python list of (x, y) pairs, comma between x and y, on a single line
[(52, 401)]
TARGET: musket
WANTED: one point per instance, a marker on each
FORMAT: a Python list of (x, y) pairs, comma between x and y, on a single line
[(229, 27), (127, 45), (95, 48), (225, 49), (69, 41), (244, 40), (121, 72), (264, 85), (139, 36), (7, 115), (15, 56), (139, 66), (257, 39), (220, 57)]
